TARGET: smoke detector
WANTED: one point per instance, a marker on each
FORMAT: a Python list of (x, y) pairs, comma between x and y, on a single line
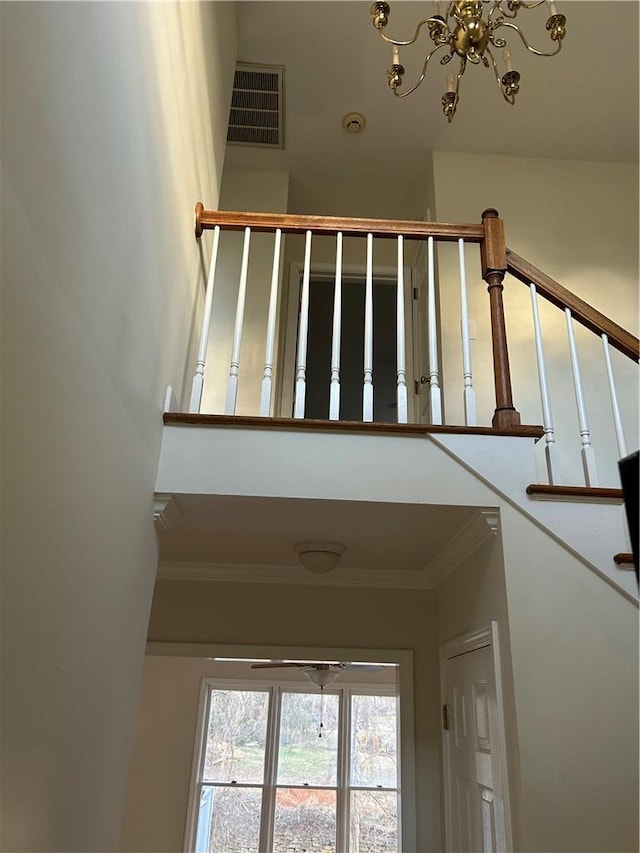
[(353, 122)]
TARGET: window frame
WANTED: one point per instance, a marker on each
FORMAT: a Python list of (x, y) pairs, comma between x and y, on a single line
[(269, 786), (256, 651)]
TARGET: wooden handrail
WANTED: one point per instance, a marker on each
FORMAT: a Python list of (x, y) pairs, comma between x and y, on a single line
[(290, 223), (562, 298)]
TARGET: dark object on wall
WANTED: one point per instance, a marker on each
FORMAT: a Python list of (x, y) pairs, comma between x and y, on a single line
[(629, 479)]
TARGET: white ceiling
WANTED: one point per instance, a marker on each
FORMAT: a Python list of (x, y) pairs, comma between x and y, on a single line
[(581, 104), (223, 534)]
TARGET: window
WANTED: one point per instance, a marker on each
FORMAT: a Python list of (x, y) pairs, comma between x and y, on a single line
[(286, 770)]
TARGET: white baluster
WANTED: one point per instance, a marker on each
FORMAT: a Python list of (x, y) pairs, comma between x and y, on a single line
[(588, 455), (615, 408), (334, 387), (400, 337), (367, 391), (468, 393), (198, 378), (265, 398), (551, 453), (435, 395), (301, 361), (232, 385)]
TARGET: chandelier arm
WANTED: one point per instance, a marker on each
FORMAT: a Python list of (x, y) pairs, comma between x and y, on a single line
[(511, 13), (526, 43), (422, 76), (398, 43), (510, 100), (498, 8)]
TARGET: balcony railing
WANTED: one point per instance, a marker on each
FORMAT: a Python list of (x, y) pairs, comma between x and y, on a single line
[(416, 245)]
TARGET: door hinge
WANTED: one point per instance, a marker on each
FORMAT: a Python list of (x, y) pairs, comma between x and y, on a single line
[(445, 717), (415, 293), (416, 386)]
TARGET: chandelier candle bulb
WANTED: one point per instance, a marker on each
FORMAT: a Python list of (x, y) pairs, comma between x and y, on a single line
[(436, 8), (507, 59), (451, 83), (552, 8), (396, 56)]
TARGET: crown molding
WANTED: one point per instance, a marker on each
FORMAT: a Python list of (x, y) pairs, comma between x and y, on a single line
[(165, 511), (483, 526), (363, 578)]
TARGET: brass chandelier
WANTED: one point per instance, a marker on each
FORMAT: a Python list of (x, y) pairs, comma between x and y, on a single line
[(470, 34)]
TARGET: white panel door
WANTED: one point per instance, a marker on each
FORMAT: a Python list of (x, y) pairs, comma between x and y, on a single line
[(475, 803)]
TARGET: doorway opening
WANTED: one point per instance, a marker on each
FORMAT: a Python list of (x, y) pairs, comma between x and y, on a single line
[(352, 343), (257, 748)]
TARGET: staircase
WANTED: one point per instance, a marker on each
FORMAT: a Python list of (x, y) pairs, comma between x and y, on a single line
[(500, 453)]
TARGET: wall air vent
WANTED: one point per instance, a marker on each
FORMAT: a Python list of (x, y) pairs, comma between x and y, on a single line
[(257, 106)]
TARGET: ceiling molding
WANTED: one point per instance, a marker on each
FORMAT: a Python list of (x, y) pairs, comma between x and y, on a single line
[(482, 527), (165, 511), (380, 578)]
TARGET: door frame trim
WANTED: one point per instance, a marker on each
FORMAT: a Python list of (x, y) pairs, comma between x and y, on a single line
[(288, 343), (479, 638)]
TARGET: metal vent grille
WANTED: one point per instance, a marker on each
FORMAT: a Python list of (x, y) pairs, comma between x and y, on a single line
[(257, 100)]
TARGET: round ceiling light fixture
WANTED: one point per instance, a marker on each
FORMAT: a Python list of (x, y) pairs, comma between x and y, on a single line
[(354, 122), (318, 555)]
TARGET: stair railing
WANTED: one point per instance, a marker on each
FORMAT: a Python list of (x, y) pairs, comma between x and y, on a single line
[(612, 336), (496, 261)]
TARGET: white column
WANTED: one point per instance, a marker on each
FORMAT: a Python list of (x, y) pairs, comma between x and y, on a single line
[(265, 398), (303, 330), (435, 395), (587, 452), (468, 392), (334, 387), (400, 337), (551, 453), (232, 384), (367, 390), (198, 378), (615, 408)]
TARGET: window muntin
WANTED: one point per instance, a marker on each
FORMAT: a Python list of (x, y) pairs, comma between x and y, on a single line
[(343, 785)]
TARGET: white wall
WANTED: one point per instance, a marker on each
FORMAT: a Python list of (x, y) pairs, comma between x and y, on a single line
[(114, 124), (577, 222), (245, 191), (574, 649), (288, 615)]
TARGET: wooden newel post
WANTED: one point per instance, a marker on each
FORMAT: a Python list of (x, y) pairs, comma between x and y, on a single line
[(493, 254)]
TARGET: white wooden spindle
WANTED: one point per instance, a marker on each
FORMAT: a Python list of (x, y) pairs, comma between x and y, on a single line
[(435, 395), (267, 376), (367, 390), (232, 384), (615, 408), (303, 331), (587, 452), (334, 387), (198, 378), (468, 393), (400, 338), (550, 450)]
